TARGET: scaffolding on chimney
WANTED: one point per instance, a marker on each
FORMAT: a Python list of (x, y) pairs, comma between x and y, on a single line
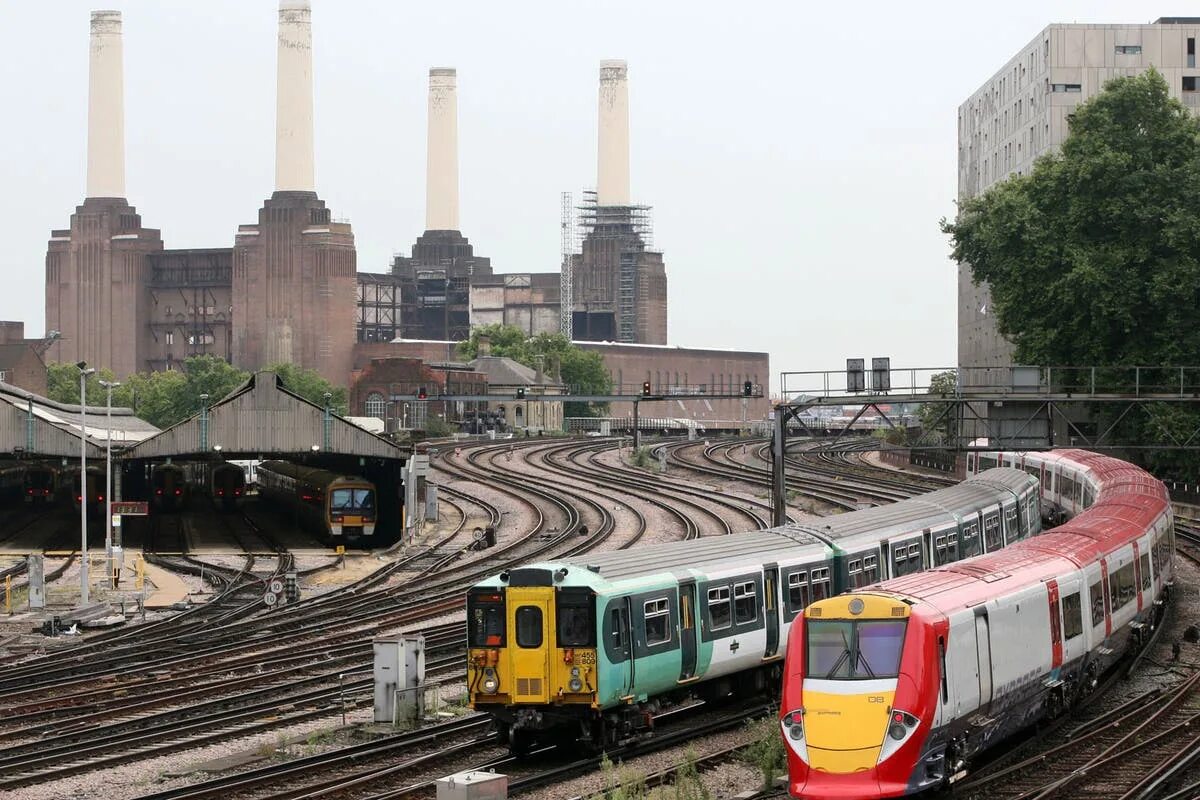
[(569, 238), (633, 226)]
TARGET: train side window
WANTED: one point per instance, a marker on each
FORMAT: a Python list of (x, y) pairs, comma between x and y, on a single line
[(1097, 597), (1121, 586), (952, 545), (720, 610), (899, 559), (618, 634), (970, 463), (871, 569), (939, 550), (658, 629), (798, 590), (914, 553), (1072, 611), (820, 583), (1144, 565), (970, 540), (745, 602), (1012, 530), (529, 627), (854, 570), (991, 532)]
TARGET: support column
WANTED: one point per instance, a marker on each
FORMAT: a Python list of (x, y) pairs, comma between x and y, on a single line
[(294, 99), (441, 173), (612, 178), (106, 108)]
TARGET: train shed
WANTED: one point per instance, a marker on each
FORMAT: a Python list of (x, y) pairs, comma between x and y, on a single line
[(32, 426), (263, 420)]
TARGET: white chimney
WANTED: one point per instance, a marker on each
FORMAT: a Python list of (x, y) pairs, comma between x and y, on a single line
[(106, 108), (441, 172), (294, 100), (612, 180)]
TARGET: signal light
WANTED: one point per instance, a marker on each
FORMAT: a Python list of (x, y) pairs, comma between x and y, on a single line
[(520, 392), (421, 393), (747, 389), (645, 388)]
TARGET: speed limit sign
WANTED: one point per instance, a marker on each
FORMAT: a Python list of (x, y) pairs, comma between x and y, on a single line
[(270, 598), (275, 586)]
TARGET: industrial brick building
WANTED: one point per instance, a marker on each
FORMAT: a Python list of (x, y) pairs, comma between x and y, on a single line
[(1023, 111), (21, 361)]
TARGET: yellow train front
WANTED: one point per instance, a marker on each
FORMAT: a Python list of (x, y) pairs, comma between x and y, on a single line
[(859, 698), (532, 656)]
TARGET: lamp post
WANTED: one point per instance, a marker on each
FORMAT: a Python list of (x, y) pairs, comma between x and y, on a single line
[(108, 517), (84, 371)]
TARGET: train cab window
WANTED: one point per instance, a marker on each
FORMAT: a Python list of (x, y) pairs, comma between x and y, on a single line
[(529, 627), (820, 583), (485, 620), (970, 540), (1121, 586), (720, 609), (854, 650), (575, 622), (1144, 568), (352, 500), (1072, 611), (1097, 597), (798, 590), (658, 628), (745, 603)]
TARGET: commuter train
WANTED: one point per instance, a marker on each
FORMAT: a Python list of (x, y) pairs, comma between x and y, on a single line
[(584, 649), (336, 508), (895, 688), (33, 482), (169, 487), (94, 485), (223, 483)]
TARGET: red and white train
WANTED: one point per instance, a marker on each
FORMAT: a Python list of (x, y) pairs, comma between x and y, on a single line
[(893, 689)]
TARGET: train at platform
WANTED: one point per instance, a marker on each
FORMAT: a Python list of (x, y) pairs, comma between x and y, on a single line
[(221, 482), (337, 509), (35, 483), (88, 488), (169, 488), (585, 650), (898, 687)]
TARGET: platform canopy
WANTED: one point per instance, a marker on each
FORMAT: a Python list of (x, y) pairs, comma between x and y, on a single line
[(32, 425), (263, 419)]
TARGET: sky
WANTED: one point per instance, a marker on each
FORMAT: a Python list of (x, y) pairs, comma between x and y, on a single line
[(798, 155)]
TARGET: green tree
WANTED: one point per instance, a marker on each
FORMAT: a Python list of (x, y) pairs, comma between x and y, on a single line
[(938, 424), (582, 371), (1093, 258), (309, 384)]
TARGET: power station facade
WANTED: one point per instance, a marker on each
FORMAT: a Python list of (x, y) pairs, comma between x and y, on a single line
[(288, 289)]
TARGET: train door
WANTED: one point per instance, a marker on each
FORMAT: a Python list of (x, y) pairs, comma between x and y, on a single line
[(771, 609), (687, 629), (983, 651), (531, 619)]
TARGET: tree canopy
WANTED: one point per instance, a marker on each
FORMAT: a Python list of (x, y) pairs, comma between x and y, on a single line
[(583, 371), (167, 398), (1093, 258)]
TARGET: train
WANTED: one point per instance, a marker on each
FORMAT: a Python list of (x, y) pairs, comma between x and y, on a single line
[(224, 483), (898, 687), (169, 487), (338, 509), (33, 482), (92, 487), (584, 650)]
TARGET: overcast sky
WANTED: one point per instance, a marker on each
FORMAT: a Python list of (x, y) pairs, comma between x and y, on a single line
[(798, 155)]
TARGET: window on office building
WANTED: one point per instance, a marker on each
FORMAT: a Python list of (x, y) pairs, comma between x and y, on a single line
[(1128, 49)]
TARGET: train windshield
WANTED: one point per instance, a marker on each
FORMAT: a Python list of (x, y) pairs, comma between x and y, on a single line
[(485, 620), (352, 500), (854, 649), (576, 622)]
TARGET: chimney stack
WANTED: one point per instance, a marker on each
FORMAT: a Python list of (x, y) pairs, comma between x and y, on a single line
[(612, 182), (106, 108), (294, 99), (441, 174), (484, 347)]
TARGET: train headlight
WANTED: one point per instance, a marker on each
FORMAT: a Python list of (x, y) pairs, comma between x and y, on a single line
[(793, 733), (490, 682), (900, 728), (574, 672)]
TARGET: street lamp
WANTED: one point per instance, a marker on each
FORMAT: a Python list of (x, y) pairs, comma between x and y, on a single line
[(108, 517), (84, 371)]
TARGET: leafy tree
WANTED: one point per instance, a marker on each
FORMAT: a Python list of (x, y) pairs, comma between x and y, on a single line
[(62, 385), (583, 371), (309, 384), (936, 425), (1093, 258)]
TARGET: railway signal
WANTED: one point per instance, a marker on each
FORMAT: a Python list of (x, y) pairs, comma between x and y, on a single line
[(520, 392), (748, 389), (421, 393), (645, 388)]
